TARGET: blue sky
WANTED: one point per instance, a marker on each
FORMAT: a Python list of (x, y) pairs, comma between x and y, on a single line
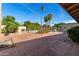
[(32, 12)]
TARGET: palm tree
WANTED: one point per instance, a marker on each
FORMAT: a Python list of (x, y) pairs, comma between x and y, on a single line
[(47, 19), (42, 9)]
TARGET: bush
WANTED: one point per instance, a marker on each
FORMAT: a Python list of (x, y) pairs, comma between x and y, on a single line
[(43, 30), (32, 26), (11, 28), (11, 24), (3, 30), (73, 34), (40, 32), (47, 30)]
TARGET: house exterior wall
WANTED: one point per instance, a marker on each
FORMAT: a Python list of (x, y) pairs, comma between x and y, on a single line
[(21, 29), (65, 27)]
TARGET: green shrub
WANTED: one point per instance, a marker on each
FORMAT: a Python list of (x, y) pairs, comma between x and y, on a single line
[(11, 24), (43, 30), (3, 30), (46, 30), (40, 32), (73, 34)]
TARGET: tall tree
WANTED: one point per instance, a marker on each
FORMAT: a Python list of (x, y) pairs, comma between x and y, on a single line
[(8, 19), (32, 26), (28, 25), (11, 25), (42, 9), (47, 19)]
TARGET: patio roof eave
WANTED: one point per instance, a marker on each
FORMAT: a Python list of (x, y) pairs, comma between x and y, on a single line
[(72, 9)]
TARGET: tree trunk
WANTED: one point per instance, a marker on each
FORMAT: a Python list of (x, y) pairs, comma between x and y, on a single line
[(49, 23)]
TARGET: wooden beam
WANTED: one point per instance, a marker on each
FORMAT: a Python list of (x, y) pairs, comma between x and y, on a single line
[(76, 10), (72, 9), (76, 13)]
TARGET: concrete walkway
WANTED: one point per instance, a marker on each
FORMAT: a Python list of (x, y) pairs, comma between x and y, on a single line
[(51, 44)]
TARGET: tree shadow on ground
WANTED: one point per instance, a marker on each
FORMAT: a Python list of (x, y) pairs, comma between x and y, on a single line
[(44, 46)]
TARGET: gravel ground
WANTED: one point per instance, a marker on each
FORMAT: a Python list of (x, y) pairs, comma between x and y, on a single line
[(50, 44)]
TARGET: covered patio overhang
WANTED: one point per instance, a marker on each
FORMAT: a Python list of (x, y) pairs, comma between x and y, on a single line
[(72, 9)]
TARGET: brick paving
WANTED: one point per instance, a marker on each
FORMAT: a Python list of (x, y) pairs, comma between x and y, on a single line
[(50, 44)]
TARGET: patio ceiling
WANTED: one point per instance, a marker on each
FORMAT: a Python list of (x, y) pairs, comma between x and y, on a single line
[(72, 9)]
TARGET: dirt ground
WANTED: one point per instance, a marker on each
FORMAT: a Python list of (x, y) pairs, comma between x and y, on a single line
[(50, 44), (25, 36)]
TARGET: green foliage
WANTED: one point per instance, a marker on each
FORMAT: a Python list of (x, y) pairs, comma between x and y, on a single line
[(73, 34), (11, 25), (28, 25), (32, 26), (44, 30), (53, 28), (48, 18), (8, 19), (40, 31), (3, 30), (42, 8), (59, 24), (37, 25)]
